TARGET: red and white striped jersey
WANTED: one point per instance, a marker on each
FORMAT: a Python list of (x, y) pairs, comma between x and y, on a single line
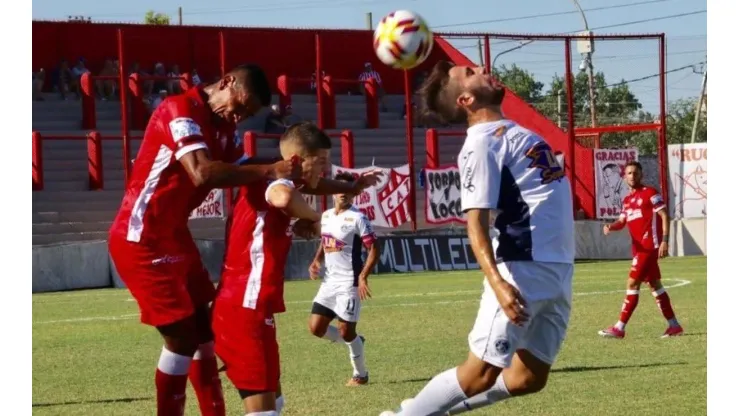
[(160, 195), (640, 210), (258, 240)]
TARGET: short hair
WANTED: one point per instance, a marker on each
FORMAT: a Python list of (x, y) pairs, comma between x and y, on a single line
[(344, 176), (438, 97), (611, 166), (634, 163), (254, 78), (306, 136)]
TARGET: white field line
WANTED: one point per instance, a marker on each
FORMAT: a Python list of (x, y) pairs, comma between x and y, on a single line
[(679, 283)]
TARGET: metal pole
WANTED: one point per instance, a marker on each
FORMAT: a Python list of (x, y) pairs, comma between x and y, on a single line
[(487, 53), (493, 65), (222, 51), (589, 61), (410, 147), (123, 80), (560, 108), (369, 20), (662, 148), (571, 159), (179, 15), (480, 53), (319, 82), (699, 105)]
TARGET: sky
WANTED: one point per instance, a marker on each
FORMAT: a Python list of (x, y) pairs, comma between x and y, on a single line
[(686, 35)]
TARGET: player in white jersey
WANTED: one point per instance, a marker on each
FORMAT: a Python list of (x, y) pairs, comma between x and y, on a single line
[(344, 231), (528, 268)]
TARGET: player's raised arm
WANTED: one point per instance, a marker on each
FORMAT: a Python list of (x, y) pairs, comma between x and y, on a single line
[(282, 194), (333, 187)]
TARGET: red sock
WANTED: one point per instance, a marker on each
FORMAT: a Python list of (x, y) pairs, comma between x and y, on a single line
[(628, 307), (205, 381), (171, 380), (664, 303)]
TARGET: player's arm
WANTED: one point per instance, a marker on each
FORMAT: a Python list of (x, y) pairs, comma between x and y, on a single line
[(619, 223), (659, 208), (480, 174), (370, 242), (319, 257), (333, 187), (282, 194)]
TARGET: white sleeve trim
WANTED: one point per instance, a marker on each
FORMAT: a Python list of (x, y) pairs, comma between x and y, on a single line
[(183, 127), (189, 148), (274, 183)]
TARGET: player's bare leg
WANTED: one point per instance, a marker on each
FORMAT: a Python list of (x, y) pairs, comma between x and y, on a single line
[(526, 375), (356, 345), (259, 403), (319, 323), (664, 303), (631, 298), (204, 369), (180, 344)]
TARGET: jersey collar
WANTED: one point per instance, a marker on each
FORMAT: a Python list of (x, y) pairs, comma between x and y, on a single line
[(486, 128)]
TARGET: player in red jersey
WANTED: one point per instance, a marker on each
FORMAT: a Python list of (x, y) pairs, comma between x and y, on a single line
[(186, 150), (640, 210), (250, 292)]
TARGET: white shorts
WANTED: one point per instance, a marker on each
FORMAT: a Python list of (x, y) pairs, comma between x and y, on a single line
[(495, 339), (340, 298)]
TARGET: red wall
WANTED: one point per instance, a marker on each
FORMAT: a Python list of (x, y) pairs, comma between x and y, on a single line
[(277, 51)]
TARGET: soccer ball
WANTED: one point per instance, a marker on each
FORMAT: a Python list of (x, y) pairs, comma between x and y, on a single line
[(402, 40)]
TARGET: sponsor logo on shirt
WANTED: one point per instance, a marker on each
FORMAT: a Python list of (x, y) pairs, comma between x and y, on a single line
[(168, 260)]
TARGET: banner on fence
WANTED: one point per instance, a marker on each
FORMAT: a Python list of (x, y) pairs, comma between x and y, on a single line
[(387, 203), (687, 169), (611, 189), (429, 253), (442, 190), (211, 207)]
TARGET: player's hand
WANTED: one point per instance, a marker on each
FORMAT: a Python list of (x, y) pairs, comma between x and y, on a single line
[(364, 289), (288, 169), (313, 270), (512, 302), (366, 180), (607, 230), (307, 229), (663, 250)]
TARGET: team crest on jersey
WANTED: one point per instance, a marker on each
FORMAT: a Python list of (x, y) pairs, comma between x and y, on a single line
[(347, 228), (543, 159)]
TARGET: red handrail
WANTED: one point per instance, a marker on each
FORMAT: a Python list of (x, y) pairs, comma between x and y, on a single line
[(94, 158)]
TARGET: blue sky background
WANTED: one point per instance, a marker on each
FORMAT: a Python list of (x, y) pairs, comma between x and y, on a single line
[(686, 35)]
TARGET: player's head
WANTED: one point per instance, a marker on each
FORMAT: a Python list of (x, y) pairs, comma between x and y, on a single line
[(453, 92), (633, 173), (241, 93), (610, 170), (310, 143), (343, 201)]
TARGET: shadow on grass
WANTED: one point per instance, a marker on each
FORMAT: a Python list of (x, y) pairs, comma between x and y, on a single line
[(574, 369), (101, 401)]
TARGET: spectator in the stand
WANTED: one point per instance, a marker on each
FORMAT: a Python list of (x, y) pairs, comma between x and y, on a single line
[(61, 79), (368, 73), (313, 80), (157, 100), (147, 85), (196, 77), (290, 118), (77, 72), (107, 88), (173, 85), (274, 121), (38, 84), (160, 84)]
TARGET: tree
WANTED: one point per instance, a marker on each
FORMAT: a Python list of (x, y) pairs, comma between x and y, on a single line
[(521, 82), (153, 18)]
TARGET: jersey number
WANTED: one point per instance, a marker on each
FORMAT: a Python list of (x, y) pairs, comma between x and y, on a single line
[(543, 159)]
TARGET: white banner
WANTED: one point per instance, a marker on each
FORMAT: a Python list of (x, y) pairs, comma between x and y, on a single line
[(610, 185), (386, 204), (442, 190), (212, 207), (687, 169)]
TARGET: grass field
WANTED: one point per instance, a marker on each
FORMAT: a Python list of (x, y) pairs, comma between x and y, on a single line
[(92, 357)]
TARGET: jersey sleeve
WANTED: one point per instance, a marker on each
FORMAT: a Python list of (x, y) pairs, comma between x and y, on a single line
[(656, 200), (365, 230), (184, 128), (275, 183), (480, 176)]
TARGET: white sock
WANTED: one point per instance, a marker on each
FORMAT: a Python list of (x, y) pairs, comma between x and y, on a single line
[(279, 404), (267, 413), (357, 356), (332, 334), (173, 364), (493, 395), (439, 395), (620, 325)]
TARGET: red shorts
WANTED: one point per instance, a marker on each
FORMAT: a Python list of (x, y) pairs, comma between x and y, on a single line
[(246, 342), (645, 267), (168, 281)]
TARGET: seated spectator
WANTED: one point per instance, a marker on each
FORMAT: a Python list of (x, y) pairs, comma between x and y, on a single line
[(274, 121), (160, 84), (173, 85), (368, 73), (77, 73), (289, 118), (156, 100), (61, 79), (196, 77), (147, 85), (313, 80), (38, 84), (107, 88)]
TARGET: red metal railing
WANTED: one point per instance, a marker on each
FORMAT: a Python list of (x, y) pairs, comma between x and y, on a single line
[(94, 158), (347, 143)]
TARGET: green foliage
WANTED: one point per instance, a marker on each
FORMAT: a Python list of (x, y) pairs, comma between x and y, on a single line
[(153, 18)]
